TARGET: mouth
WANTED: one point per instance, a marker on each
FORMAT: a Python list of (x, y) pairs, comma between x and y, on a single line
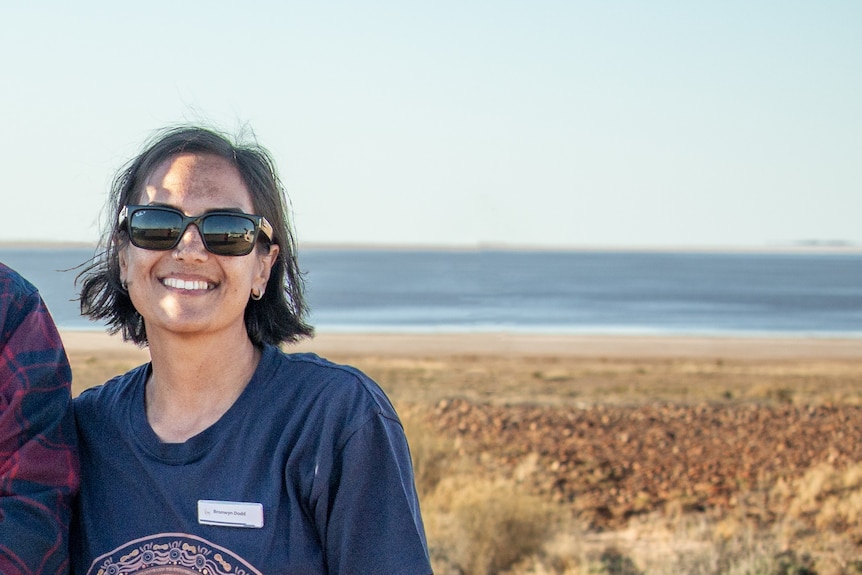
[(188, 285)]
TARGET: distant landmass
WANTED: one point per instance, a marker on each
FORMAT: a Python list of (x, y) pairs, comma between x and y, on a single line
[(793, 245)]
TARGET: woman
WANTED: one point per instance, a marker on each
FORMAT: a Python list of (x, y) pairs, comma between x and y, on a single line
[(224, 454)]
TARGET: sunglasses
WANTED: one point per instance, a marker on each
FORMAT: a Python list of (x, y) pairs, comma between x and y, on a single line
[(223, 233)]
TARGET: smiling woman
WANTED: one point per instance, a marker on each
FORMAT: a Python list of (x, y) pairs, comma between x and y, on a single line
[(199, 264), (211, 163)]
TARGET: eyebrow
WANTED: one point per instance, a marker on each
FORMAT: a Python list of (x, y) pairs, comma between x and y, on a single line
[(210, 211)]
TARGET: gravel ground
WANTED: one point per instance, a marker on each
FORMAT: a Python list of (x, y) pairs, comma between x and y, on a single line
[(612, 463)]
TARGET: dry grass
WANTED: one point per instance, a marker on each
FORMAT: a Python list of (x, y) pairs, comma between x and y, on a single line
[(633, 381), (476, 525), (484, 526)]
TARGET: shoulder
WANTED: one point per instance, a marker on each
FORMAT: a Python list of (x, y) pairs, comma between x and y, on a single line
[(313, 364), (102, 398), (339, 394), (12, 283), (18, 298), (32, 356), (335, 378)]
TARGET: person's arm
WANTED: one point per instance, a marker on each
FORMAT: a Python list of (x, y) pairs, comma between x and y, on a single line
[(39, 471)]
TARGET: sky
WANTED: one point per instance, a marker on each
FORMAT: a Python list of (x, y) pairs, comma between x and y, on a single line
[(543, 123)]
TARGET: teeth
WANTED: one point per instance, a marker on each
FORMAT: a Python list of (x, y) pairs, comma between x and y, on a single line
[(183, 284)]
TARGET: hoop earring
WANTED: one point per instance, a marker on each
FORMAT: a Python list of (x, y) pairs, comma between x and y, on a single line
[(124, 286), (256, 296)]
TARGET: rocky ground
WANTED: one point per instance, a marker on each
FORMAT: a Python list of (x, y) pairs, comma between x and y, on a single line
[(612, 463)]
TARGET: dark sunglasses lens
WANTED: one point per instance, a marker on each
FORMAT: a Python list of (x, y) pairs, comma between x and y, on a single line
[(228, 235), (155, 229)]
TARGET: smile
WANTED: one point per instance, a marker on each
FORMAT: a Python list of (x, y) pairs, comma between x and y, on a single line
[(186, 284)]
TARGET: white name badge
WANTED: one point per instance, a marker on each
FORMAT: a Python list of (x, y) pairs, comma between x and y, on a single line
[(230, 513)]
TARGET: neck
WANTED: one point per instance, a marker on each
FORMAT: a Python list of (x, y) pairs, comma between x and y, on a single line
[(195, 381)]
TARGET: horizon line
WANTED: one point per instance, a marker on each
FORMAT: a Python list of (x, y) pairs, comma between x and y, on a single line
[(807, 246)]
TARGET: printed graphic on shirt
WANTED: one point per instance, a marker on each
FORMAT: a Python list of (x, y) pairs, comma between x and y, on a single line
[(171, 554)]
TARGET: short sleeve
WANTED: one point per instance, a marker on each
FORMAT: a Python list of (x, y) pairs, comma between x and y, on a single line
[(374, 523)]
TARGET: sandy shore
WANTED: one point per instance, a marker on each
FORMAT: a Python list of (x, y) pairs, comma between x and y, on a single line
[(490, 344)]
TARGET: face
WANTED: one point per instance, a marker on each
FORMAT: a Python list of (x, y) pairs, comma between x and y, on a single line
[(188, 289)]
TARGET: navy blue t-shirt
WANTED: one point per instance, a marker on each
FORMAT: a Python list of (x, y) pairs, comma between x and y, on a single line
[(308, 472)]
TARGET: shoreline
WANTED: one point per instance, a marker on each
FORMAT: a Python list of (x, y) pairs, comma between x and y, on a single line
[(525, 345)]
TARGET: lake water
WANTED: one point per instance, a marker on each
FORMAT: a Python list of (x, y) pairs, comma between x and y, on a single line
[(579, 292)]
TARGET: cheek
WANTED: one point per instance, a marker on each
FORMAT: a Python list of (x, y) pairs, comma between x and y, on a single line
[(248, 276), (134, 262)]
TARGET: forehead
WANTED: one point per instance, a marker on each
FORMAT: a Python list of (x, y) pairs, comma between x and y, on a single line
[(196, 182)]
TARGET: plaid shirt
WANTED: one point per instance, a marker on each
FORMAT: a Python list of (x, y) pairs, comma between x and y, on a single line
[(39, 470)]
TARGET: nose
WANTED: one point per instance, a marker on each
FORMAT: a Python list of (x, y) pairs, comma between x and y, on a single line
[(191, 244)]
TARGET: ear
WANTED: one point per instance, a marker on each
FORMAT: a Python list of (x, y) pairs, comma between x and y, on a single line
[(265, 261), (124, 264)]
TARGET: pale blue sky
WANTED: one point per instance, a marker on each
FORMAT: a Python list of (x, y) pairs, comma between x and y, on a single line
[(542, 122)]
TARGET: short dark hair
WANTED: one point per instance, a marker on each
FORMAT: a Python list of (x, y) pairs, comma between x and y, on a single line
[(277, 317)]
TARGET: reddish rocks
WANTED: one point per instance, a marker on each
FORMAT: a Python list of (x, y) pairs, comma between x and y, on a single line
[(610, 463)]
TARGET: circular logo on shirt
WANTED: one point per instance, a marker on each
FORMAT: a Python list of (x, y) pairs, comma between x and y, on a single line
[(171, 554)]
